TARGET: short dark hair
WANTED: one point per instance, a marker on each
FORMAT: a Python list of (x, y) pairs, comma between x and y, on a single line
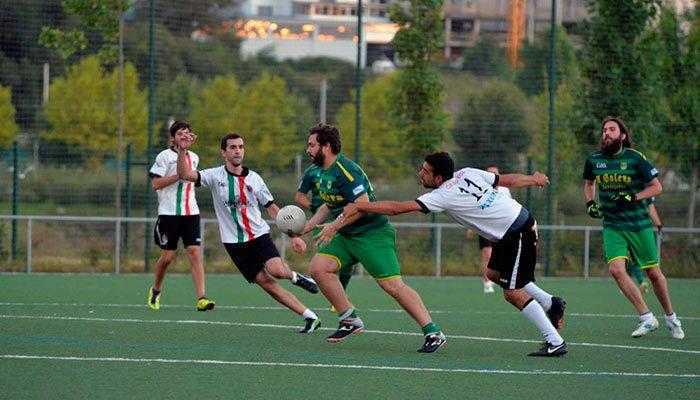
[(177, 125), (627, 142), (442, 164), (229, 136), (327, 134)]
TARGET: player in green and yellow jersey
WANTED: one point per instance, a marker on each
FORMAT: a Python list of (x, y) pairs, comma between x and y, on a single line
[(625, 178), (369, 239)]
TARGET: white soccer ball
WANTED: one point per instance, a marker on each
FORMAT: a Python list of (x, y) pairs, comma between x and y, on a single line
[(291, 220)]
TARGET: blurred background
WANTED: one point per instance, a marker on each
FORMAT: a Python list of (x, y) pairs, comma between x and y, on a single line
[(89, 88)]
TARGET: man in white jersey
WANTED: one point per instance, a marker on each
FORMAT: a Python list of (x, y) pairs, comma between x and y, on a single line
[(238, 194), (178, 217), (469, 197)]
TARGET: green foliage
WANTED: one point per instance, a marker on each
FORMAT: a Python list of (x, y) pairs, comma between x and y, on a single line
[(8, 127), (417, 95), (263, 111), (619, 81), (531, 77), (494, 126), (82, 109), (383, 153), (486, 58)]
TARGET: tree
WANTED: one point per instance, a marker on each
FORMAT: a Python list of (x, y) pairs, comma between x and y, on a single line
[(531, 77), (619, 81), (383, 153), (81, 110), (494, 126), (417, 95), (8, 127), (486, 58)]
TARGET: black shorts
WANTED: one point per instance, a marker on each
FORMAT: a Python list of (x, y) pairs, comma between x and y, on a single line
[(250, 257), (514, 257), (170, 228), (483, 242)]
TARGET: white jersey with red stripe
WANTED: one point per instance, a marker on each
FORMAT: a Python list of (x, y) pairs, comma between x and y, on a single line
[(237, 201), (470, 198), (178, 198)]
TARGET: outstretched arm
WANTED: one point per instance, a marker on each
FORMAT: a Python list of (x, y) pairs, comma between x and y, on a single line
[(381, 207), (519, 180)]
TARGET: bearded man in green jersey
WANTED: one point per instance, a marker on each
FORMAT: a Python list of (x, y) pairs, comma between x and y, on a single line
[(369, 239), (625, 178)]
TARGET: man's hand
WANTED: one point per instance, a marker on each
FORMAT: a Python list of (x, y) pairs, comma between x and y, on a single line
[(660, 230), (623, 198), (185, 141), (298, 245), (326, 234), (350, 210), (593, 209), (541, 180)]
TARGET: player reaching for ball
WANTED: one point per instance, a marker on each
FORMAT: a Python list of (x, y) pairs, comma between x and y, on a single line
[(238, 193)]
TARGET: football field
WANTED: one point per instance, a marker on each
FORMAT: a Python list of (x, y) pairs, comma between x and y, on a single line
[(92, 336)]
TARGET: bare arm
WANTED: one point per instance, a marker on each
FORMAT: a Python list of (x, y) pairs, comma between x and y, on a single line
[(519, 180), (655, 216), (183, 167), (652, 189), (303, 200), (384, 207), (320, 216), (272, 210), (160, 182), (588, 190)]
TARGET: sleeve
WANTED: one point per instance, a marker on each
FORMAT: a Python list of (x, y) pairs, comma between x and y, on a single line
[(432, 202), (205, 177), (353, 188), (489, 177), (306, 183), (158, 169), (648, 171), (263, 194), (588, 170)]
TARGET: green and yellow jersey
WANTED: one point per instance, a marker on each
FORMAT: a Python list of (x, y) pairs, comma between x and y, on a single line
[(309, 184), (342, 183), (628, 171)]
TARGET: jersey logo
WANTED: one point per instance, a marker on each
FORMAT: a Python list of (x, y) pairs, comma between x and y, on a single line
[(654, 171), (222, 184), (623, 165), (601, 165), (358, 190)]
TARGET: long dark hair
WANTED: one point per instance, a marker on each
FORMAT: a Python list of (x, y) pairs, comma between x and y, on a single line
[(627, 141)]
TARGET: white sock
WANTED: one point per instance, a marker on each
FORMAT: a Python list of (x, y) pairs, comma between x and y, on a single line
[(294, 277), (671, 318), (534, 312), (646, 317), (542, 297), (309, 314)]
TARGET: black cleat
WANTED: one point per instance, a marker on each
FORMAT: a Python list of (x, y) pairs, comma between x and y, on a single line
[(550, 350), (556, 312), (306, 283), (346, 328), (433, 341), (311, 325)]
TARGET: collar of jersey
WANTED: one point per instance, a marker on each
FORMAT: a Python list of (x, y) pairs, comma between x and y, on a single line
[(243, 173)]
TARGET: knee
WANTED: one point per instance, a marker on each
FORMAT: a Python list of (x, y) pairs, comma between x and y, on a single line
[(654, 274), (320, 266), (193, 251), (167, 257), (265, 281), (392, 287), (617, 270)]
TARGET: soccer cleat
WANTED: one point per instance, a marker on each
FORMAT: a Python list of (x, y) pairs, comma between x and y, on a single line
[(488, 287), (433, 341), (645, 327), (674, 326), (556, 312), (550, 350), (204, 304), (152, 299), (311, 324), (346, 328), (306, 283)]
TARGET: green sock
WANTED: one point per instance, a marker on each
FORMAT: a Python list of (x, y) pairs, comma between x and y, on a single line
[(349, 313), (431, 327), (635, 271)]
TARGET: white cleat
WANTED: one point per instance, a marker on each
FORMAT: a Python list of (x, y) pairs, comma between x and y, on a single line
[(674, 326), (488, 287), (645, 327)]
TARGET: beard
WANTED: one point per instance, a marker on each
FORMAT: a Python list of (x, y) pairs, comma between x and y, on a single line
[(318, 159), (611, 147)]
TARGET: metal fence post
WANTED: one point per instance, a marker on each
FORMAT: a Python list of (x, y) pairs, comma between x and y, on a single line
[(202, 227), (438, 250), (117, 244), (29, 245), (586, 252)]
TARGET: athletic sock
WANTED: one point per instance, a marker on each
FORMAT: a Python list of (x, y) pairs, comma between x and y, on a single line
[(347, 314), (309, 314), (647, 316), (431, 327), (294, 277), (535, 313), (542, 297)]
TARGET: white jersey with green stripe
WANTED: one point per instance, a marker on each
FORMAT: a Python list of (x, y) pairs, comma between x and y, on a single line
[(178, 198), (237, 201)]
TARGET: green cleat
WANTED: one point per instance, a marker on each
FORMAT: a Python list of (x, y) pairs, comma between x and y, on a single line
[(153, 299), (204, 304)]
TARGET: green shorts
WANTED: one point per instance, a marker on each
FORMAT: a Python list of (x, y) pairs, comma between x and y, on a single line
[(640, 245), (375, 249)]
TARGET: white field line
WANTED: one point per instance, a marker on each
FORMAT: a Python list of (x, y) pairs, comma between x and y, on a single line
[(278, 308), (261, 325), (349, 366)]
